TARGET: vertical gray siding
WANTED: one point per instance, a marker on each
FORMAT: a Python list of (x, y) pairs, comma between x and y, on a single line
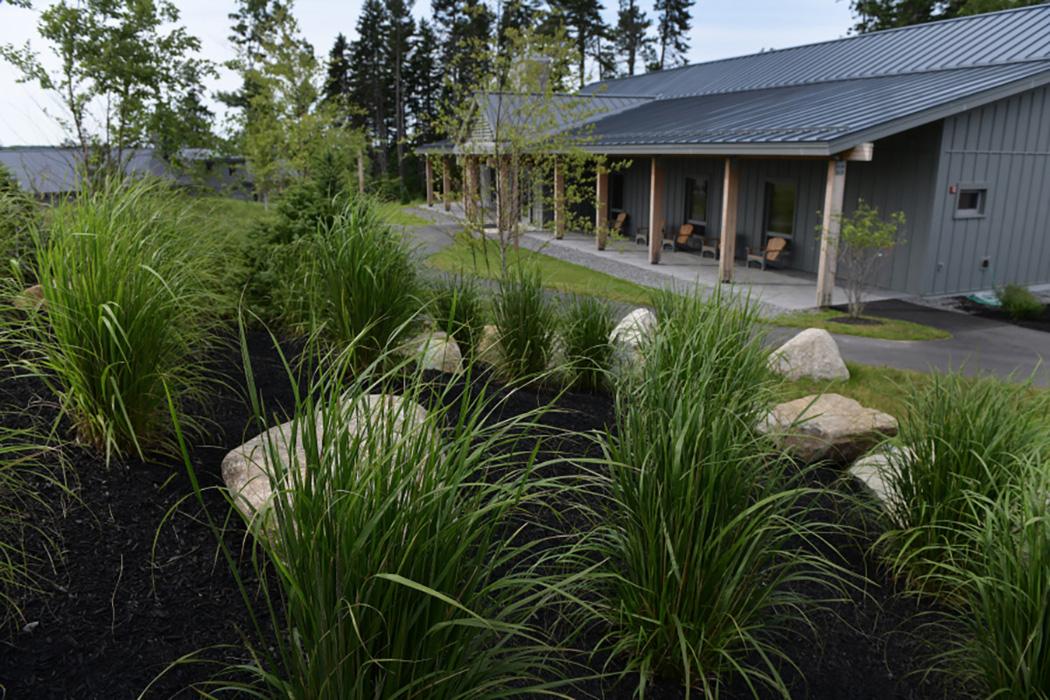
[(1006, 147), (901, 177)]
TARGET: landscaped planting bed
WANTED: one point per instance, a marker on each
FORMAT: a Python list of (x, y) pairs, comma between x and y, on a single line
[(137, 587), (425, 491)]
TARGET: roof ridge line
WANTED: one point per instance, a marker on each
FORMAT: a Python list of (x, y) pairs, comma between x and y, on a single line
[(1044, 7)]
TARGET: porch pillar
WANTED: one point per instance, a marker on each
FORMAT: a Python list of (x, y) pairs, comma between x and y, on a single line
[(727, 245), (430, 181), (505, 195), (361, 172), (601, 208), (446, 184), (559, 199), (656, 211), (834, 194), (470, 188)]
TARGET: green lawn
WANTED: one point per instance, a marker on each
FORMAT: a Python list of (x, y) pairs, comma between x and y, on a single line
[(397, 214), (884, 388), (466, 257), (888, 329)]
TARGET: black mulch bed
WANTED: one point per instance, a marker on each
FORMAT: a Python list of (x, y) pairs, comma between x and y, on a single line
[(1040, 323), (118, 608)]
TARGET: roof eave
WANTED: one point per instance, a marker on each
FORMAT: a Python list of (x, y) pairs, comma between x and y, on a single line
[(948, 109), (818, 149)]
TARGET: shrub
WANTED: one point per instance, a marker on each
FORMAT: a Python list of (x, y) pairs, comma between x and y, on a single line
[(18, 215), (588, 351), (460, 311), (395, 551), (958, 437), (1001, 630), (864, 240), (526, 322), (128, 314), (1020, 303), (355, 285), (701, 540)]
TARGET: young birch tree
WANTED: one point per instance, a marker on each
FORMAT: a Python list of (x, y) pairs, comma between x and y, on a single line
[(864, 240)]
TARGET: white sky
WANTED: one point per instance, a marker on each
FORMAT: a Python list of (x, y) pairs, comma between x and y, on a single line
[(721, 28)]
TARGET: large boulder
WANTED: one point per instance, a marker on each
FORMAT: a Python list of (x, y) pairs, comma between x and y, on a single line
[(827, 426), (248, 469), (435, 350), (812, 354), (633, 330)]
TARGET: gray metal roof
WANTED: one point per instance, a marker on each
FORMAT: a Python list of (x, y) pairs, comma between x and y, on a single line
[(820, 118), (997, 38)]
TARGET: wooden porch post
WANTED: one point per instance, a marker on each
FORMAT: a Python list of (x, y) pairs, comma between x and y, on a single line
[(730, 191), (470, 188), (446, 184), (834, 194), (601, 209), (656, 211), (361, 172), (559, 199), (430, 181)]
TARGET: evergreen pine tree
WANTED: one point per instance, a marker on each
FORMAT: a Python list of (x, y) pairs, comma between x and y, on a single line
[(583, 21), (401, 27), (337, 79), (423, 83), (672, 32), (632, 36), (251, 22), (371, 79), (873, 15)]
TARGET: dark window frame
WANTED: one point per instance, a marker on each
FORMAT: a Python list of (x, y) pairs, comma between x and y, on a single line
[(971, 188), (768, 195), (689, 191)]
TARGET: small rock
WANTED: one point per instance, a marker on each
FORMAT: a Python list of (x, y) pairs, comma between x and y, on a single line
[(877, 471), (31, 626), (488, 346), (812, 354), (827, 426), (31, 299), (247, 469), (633, 330), (435, 351)]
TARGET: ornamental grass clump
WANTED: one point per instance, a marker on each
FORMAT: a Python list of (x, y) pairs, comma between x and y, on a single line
[(587, 324), (1020, 303), (459, 310), (704, 533), (354, 285), (129, 293), (959, 437), (1000, 627), (394, 545), (526, 322)]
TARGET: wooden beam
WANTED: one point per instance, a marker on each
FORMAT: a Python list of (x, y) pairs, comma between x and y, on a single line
[(470, 188), (730, 191), (601, 208), (862, 153), (430, 180), (834, 195), (559, 199), (656, 211), (446, 184)]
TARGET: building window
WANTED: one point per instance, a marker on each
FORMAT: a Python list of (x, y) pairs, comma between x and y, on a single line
[(780, 209), (696, 201), (969, 203), (616, 192)]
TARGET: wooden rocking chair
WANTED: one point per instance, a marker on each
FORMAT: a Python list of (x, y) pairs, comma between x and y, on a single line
[(775, 247)]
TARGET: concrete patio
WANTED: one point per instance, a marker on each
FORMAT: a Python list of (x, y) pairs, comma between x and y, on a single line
[(778, 291)]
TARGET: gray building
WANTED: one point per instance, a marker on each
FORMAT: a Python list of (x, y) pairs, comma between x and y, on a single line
[(948, 122)]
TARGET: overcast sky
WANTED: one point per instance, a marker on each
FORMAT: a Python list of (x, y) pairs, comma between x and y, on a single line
[(721, 28)]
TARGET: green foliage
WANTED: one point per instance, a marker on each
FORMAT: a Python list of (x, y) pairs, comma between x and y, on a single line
[(19, 213), (354, 284), (1000, 632), (958, 438), (526, 322), (128, 290), (398, 544), (701, 539), (864, 239), (1020, 303), (459, 310), (874, 15), (589, 353)]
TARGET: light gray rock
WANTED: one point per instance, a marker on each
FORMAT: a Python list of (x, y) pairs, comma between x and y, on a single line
[(627, 338), (812, 354), (250, 474), (435, 350), (878, 471), (827, 426), (488, 346)]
